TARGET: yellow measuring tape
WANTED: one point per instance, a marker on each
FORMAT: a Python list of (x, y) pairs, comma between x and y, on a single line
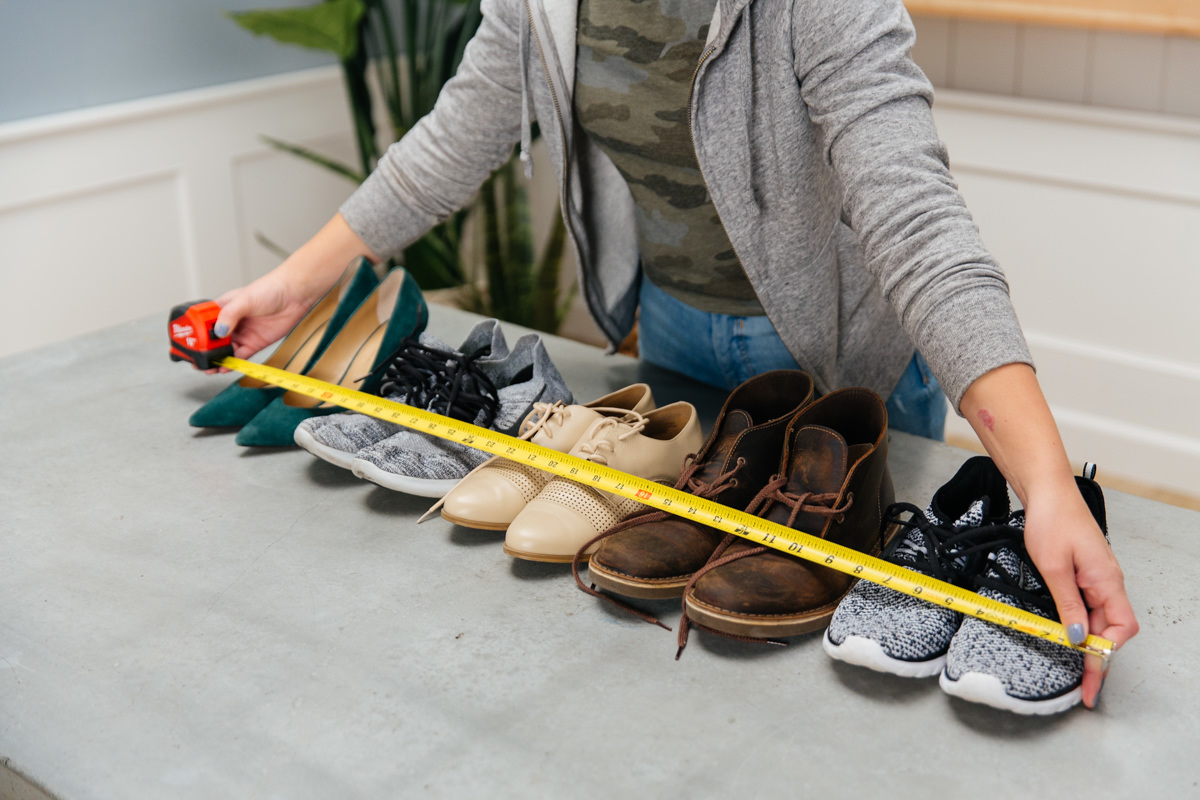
[(674, 501)]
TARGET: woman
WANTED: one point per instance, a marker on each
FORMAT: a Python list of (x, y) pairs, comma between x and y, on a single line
[(765, 176)]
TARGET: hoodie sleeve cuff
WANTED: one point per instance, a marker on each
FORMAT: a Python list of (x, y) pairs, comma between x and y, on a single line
[(968, 335)]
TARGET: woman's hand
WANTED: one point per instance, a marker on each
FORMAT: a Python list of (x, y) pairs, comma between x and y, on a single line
[(1081, 572), (265, 310), (260, 313), (1008, 412)]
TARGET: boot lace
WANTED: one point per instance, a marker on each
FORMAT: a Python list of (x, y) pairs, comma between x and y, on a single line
[(823, 503), (689, 482)]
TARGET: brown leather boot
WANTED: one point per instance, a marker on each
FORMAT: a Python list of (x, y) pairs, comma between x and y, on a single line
[(834, 483), (655, 554)]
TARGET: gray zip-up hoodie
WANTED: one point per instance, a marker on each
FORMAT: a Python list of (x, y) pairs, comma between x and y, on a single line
[(813, 131)]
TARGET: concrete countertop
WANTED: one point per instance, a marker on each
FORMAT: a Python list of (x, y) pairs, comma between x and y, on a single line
[(184, 618)]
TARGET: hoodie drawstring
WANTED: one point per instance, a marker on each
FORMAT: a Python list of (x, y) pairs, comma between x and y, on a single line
[(526, 102)]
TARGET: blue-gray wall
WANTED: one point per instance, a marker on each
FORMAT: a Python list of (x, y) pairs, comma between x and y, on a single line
[(62, 55)]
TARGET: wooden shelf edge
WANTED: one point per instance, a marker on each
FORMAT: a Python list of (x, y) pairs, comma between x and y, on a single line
[(1131, 19)]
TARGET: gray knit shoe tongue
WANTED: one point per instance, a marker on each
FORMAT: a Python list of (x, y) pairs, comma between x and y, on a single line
[(971, 518)]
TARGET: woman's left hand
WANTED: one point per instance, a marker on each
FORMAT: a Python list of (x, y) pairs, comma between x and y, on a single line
[(1081, 572), (1007, 410)]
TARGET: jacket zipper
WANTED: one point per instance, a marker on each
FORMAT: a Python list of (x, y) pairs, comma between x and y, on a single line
[(550, 85), (691, 96), (564, 187)]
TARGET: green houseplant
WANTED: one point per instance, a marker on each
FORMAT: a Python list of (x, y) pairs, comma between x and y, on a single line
[(409, 63)]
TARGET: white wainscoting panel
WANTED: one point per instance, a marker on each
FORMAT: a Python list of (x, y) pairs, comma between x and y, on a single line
[(57, 282), (262, 182), (116, 212), (1093, 215)]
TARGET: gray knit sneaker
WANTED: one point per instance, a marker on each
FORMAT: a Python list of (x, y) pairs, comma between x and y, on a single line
[(418, 464), (887, 631), (420, 373), (1007, 669)]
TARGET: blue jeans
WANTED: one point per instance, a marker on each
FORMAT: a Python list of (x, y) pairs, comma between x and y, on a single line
[(723, 350)]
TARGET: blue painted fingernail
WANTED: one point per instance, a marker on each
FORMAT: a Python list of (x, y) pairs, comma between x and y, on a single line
[(1075, 634), (221, 330)]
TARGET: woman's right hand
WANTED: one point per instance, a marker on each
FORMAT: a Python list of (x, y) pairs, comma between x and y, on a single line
[(265, 310), (260, 313)]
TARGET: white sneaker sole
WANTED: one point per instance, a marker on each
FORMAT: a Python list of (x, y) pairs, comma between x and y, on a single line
[(988, 690), (421, 487), (339, 458), (869, 653)]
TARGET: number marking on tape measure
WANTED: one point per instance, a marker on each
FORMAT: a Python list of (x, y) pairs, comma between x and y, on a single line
[(674, 501)]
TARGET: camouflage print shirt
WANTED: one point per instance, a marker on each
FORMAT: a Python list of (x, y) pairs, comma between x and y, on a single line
[(634, 69)]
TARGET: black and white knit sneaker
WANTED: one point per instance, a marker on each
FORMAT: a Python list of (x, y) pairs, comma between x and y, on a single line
[(1007, 669), (887, 631)]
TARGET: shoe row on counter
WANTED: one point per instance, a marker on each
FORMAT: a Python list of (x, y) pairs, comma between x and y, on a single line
[(813, 464)]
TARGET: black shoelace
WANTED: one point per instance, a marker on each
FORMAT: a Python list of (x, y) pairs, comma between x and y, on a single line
[(997, 576), (952, 554), (447, 383)]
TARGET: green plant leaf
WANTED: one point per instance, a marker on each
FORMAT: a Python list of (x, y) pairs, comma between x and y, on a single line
[(331, 26), (549, 312), (433, 260), (493, 249), (316, 158), (434, 34), (273, 247), (518, 251)]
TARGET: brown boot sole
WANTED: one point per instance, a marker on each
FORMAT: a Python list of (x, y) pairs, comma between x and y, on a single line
[(766, 627), (470, 523), (759, 627), (632, 587), (543, 557)]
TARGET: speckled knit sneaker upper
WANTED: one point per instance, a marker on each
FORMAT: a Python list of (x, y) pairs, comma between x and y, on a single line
[(885, 630)]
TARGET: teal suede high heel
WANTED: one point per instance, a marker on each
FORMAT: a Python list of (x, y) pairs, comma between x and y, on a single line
[(240, 401), (393, 312)]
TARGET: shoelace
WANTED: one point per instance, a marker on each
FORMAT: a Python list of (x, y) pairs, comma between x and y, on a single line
[(468, 393), (558, 412), (995, 575), (591, 450), (447, 383), (810, 502), (687, 481), (411, 370), (948, 553)]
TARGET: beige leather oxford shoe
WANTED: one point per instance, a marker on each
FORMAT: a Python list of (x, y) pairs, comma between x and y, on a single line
[(491, 497), (565, 514)]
